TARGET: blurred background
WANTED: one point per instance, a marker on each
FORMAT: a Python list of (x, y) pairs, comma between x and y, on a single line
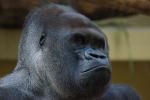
[(125, 22)]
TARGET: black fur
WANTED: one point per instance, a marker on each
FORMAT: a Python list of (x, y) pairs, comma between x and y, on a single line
[(62, 56)]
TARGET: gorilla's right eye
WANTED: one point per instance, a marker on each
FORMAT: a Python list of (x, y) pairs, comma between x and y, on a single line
[(42, 40), (79, 39)]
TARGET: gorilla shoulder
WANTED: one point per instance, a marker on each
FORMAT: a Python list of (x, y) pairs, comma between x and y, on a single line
[(121, 92)]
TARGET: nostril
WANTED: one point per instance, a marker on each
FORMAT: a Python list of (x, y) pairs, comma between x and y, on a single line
[(94, 55), (102, 57), (97, 56)]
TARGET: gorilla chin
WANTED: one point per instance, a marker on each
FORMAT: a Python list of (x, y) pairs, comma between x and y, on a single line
[(95, 79)]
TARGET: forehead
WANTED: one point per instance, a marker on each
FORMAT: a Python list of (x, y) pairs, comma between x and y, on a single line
[(79, 23), (74, 19), (63, 17)]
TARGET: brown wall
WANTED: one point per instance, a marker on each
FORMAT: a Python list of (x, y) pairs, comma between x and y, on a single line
[(139, 77)]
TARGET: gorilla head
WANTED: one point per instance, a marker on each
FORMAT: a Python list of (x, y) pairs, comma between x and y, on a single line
[(65, 52)]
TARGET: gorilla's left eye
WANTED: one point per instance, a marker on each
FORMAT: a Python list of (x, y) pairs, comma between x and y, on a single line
[(79, 39), (42, 40)]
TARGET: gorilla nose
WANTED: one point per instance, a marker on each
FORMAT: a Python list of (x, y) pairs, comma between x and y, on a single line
[(94, 54)]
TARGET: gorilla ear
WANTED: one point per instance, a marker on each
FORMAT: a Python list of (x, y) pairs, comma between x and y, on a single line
[(42, 39)]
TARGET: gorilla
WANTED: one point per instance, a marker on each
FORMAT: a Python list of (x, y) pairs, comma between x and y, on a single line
[(62, 56)]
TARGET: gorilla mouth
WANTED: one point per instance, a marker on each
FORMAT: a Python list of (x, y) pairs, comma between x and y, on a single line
[(96, 68), (96, 75)]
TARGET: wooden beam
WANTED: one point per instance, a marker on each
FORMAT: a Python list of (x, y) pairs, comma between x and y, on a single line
[(13, 12)]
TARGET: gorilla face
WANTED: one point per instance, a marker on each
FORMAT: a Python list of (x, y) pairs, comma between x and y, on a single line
[(71, 52)]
